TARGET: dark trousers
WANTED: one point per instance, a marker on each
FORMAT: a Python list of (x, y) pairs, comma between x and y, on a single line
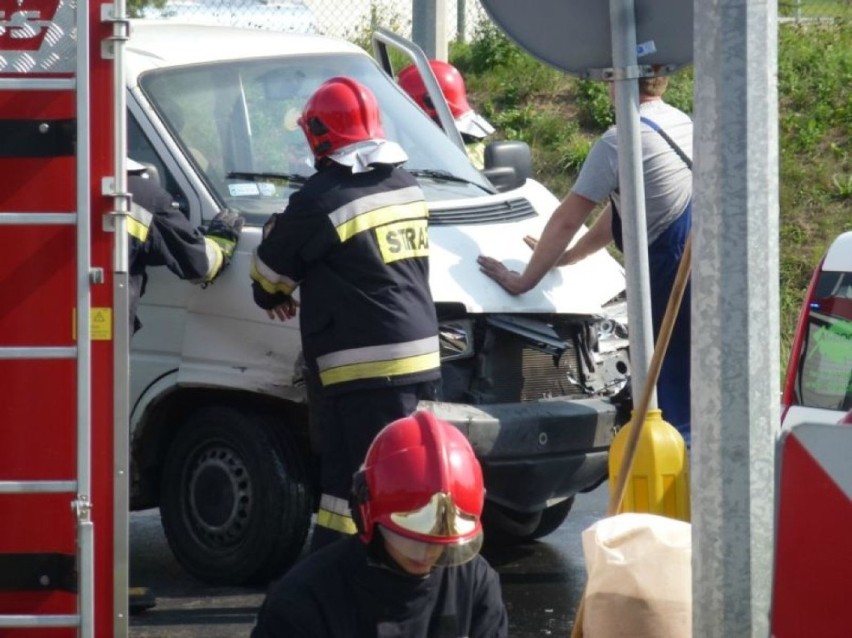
[(348, 423), (664, 256), (673, 394)]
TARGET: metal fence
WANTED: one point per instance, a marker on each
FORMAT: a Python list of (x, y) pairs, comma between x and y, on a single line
[(461, 19), (354, 19)]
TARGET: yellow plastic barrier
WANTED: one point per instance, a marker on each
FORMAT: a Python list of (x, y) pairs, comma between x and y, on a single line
[(659, 480)]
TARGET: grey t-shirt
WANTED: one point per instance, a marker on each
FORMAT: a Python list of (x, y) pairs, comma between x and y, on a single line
[(668, 180)]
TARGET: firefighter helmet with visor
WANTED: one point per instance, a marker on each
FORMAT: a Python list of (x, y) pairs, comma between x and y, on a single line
[(468, 122), (449, 80), (421, 486), (341, 112)]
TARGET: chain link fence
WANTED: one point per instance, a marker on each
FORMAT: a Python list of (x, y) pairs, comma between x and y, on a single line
[(814, 10), (352, 20), (461, 19), (355, 19)]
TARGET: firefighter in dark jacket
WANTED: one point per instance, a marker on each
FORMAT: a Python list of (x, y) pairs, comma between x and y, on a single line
[(354, 240), (415, 569), (161, 235)]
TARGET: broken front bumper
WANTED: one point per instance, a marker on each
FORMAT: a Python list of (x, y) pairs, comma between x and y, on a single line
[(536, 453)]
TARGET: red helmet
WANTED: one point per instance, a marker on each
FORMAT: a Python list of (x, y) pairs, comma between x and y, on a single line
[(421, 482), (450, 81), (339, 113)]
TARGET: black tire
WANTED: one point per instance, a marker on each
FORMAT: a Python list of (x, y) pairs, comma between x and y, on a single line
[(551, 519), (507, 527), (235, 501)]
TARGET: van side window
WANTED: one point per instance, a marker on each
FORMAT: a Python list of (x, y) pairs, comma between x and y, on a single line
[(825, 369), (139, 148)]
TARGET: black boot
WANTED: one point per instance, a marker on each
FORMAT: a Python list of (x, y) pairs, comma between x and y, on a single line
[(140, 599)]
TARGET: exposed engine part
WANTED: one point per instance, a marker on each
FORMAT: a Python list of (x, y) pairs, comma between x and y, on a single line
[(513, 359)]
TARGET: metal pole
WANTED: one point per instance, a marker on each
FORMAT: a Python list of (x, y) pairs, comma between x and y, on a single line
[(83, 505), (735, 331), (442, 47), (122, 334), (381, 38), (631, 185), (429, 27), (461, 20)]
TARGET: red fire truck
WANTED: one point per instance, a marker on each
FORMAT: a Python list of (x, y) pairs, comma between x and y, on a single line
[(63, 341)]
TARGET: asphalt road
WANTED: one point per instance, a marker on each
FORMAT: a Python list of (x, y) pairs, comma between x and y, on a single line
[(542, 583)]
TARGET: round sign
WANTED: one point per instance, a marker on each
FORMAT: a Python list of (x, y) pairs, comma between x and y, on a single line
[(576, 36)]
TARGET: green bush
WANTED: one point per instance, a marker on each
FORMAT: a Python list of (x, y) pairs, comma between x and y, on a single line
[(595, 109)]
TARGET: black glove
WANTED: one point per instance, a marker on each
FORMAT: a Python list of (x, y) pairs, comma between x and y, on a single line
[(225, 230), (269, 225)]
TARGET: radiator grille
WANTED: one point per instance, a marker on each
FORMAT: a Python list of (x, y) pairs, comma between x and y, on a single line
[(542, 379), (521, 373), (510, 210)]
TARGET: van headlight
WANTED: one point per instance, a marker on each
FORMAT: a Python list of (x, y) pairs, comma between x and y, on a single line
[(612, 335), (611, 329), (612, 326), (456, 339)]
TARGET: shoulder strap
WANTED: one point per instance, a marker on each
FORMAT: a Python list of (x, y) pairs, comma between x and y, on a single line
[(677, 149)]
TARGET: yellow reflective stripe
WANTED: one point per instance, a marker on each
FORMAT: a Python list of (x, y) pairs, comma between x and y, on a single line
[(365, 204), (270, 280), (381, 352), (215, 258), (138, 221), (380, 216), (476, 153), (337, 522), (375, 369), (136, 229)]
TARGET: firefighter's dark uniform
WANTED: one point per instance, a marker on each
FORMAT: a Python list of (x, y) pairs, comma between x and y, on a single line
[(350, 589), (356, 245), (160, 235)]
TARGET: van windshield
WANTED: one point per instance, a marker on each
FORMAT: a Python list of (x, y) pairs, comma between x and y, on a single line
[(824, 377), (237, 122)]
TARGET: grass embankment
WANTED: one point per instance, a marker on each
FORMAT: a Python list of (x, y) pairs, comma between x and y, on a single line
[(560, 117)]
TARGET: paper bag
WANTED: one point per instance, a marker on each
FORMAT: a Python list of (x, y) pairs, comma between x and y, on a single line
[(640, 577)]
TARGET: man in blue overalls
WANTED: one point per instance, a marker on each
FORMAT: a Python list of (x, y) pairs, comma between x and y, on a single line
[(666, 137)]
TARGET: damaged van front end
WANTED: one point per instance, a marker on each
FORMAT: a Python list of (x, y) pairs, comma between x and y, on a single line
[(539, 383)]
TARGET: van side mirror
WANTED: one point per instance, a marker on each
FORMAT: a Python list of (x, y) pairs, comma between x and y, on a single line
[(508, 164)]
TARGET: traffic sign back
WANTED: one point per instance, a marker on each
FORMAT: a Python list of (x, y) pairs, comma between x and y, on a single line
[(576, 36)]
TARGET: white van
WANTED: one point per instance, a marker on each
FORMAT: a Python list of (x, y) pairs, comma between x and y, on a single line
[(220, 437)]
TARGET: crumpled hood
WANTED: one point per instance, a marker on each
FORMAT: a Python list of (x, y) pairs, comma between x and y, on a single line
[(581, 288)]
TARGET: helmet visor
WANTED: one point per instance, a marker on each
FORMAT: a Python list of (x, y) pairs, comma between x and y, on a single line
[(419, 557), (439, 517)]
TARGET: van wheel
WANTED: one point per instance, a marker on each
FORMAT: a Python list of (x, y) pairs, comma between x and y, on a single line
[(506, 527), (234, 499)]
